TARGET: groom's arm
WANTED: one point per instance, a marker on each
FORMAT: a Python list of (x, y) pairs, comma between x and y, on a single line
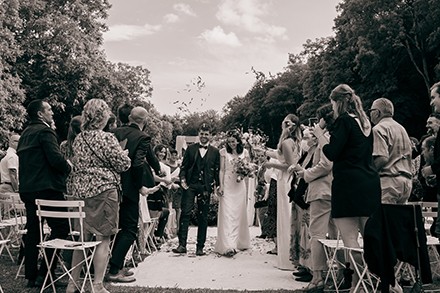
[(184, 169)]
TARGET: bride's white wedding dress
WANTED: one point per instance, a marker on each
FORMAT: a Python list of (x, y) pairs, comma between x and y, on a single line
[(232, 223)]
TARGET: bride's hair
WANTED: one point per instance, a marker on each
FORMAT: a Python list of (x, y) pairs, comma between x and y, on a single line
[(235, 134)]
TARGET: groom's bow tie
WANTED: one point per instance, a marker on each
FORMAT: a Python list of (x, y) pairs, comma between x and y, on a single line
[(204, 147)]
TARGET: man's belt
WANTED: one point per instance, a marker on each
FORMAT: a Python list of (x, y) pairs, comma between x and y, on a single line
[(8, 183), (406, 175)]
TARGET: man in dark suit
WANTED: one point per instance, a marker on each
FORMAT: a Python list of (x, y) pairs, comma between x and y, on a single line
[(137, 142), (42, 175), (199, 176)]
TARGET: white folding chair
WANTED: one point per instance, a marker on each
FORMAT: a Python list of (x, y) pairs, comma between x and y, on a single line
[(432, 242), (331, 249), (19, 210), (4, 244), (147, 224), (7, 224), (149, 235), (87, 247), (20, 230), (368, 281)]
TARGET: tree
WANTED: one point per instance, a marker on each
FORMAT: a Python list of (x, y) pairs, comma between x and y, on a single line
[(11, 94), (59, 57), (389, 48), (235, 113), (192, 121)]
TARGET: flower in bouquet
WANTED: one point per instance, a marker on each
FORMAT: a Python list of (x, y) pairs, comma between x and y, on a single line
[(243, 168)]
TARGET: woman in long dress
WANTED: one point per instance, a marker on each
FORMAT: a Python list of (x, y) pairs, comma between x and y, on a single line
[(287, 153), (232, 223)]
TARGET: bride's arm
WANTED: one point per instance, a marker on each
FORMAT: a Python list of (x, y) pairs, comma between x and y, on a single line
[(222, 172)]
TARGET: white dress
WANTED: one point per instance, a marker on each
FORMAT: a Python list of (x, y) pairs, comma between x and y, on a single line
[(284, 213), (250, 190), (232, 224)]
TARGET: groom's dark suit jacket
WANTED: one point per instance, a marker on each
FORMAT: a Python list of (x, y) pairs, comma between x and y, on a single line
[(210, 169)]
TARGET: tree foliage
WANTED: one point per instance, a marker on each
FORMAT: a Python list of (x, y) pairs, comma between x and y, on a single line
[(387, 48), (52, 49), (11, 94)]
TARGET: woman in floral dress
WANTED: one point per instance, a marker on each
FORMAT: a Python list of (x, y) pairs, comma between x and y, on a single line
[(98, 159)]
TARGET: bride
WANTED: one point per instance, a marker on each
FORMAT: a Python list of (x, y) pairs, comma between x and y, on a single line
[(232, 225)]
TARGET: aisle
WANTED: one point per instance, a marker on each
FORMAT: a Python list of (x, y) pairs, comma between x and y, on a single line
[(249, 270)]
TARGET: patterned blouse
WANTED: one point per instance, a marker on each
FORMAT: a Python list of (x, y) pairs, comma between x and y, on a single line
[(98, 160)]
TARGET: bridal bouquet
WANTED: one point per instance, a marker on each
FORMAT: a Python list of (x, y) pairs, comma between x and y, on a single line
[(243, 168)]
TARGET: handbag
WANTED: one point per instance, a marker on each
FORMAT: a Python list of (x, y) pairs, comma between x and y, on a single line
[(299, 194), (299, 187)]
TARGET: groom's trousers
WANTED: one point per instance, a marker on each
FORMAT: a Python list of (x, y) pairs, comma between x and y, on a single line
[(188, 199)]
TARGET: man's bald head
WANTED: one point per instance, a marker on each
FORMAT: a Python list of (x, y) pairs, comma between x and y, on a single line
[(13, 140), (138, 116)]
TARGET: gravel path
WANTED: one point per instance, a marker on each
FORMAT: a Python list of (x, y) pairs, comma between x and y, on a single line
[(252, 269)]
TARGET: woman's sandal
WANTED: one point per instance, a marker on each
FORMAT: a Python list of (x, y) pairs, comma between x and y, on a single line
[(312, 286), (272, 252)]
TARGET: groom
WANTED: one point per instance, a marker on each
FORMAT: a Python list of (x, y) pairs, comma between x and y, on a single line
[(199, 176)]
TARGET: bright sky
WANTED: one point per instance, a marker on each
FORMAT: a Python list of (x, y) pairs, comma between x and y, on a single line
[(216, 40)]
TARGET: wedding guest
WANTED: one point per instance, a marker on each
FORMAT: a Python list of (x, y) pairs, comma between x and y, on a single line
[(9, 174), (175, 189), (429, 192), (158, 201), (98, 159), (134, 184), (42, 173), (392, 153), (356, 185), (74, 129), (111, 123), (319, 177), (261, 196), (287, 153), (271, 219), (434, 168), (123, 114), (299, 239), (232, 222), (9, 166)]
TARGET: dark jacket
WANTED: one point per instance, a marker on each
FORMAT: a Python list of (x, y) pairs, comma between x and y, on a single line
[(390, 234), (139, 150), (211, 168), (435, 166), (356, 184), (41, 164)]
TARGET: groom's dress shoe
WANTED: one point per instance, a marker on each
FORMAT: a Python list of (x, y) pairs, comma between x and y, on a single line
[(200, 252), (179, 249)]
